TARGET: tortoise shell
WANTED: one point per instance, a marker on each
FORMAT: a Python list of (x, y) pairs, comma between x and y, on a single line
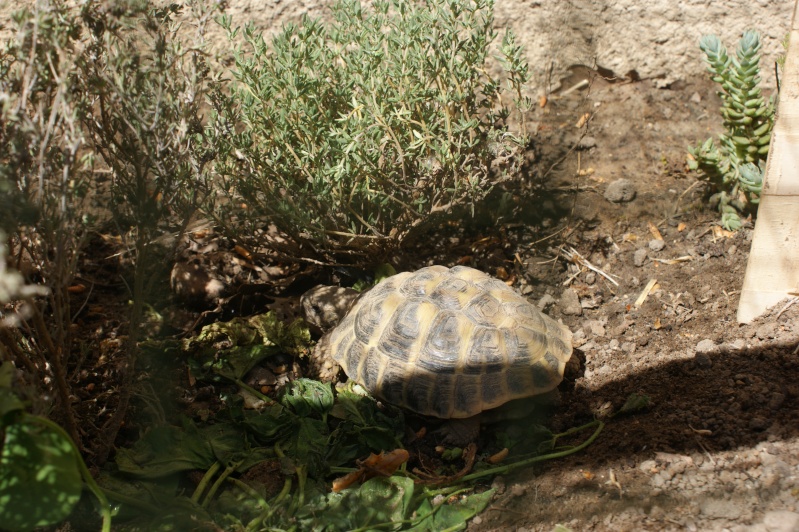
[(449, 343)]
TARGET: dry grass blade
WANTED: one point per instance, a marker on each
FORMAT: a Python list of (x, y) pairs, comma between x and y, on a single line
[(574, 256)]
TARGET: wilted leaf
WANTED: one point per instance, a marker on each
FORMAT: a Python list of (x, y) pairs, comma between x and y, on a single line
[(306, 397), (293, 339), (450, 516), (166, 450), (377, 465), (236, 362), (364, 428), (376, 501), (635, 403)]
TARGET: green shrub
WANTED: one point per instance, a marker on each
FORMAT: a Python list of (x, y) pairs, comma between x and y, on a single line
[(735, 167), (95, 95), (351, 135)]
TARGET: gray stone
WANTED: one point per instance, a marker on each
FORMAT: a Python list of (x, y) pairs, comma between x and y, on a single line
[(759, 423), (657, 244), (620, 191), (706, 346), (639, 257), (720, 509), (586, 143), (596, 327), (546, 301), (781, 521), (776, 400), (702, 360), (570, 303)]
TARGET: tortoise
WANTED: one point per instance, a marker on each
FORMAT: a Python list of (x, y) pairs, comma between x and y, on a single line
[(448, 343)]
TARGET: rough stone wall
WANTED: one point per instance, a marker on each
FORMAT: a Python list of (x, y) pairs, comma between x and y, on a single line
[(656, 39)]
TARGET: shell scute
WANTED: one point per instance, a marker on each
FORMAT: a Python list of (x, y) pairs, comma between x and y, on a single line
[(450, 343)]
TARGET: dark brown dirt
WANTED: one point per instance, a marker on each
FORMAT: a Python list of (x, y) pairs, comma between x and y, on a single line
[(718, 448)]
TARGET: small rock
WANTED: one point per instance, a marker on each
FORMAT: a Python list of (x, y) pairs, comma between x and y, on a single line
[(781, 521), (639, 257), (477, 520), (620, 191), (720, 509), (596, 327), (705, 346), (766, 331), (546, 301), (590, 278), (517, 490), (702, 360), (758, 423), (657, 244), (647, 466), (776, 400), (695, 98), (498, 485), (658, 481), (586, 143), (570, 303), (736, 345)]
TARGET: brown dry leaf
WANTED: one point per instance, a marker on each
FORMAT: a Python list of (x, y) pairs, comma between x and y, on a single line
[(629, 237), (542, 100), (76, 289), (501, 273), (242, 251), (655, 231), (719, 232), (498, 457), (657, 325), (584, 172), (587, 475), (681, 227), (382, 465), (583, 120)]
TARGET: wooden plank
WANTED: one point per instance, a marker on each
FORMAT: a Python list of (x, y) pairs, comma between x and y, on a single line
[(772, 273)]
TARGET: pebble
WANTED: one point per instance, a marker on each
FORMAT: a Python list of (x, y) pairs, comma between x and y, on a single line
[(702, 360), (705, 346), (647, 466), (639, 257), (620, 191), (781, 521), (759, 423), (595, 327), (776, 400), (586, 143), (570, 303), (719, 508), (736, 345), (657, 244), (546, 301)]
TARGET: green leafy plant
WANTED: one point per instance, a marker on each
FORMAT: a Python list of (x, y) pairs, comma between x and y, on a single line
[(349, 136), (735, 166), (41, 470), (101, 124), (46, 175)]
